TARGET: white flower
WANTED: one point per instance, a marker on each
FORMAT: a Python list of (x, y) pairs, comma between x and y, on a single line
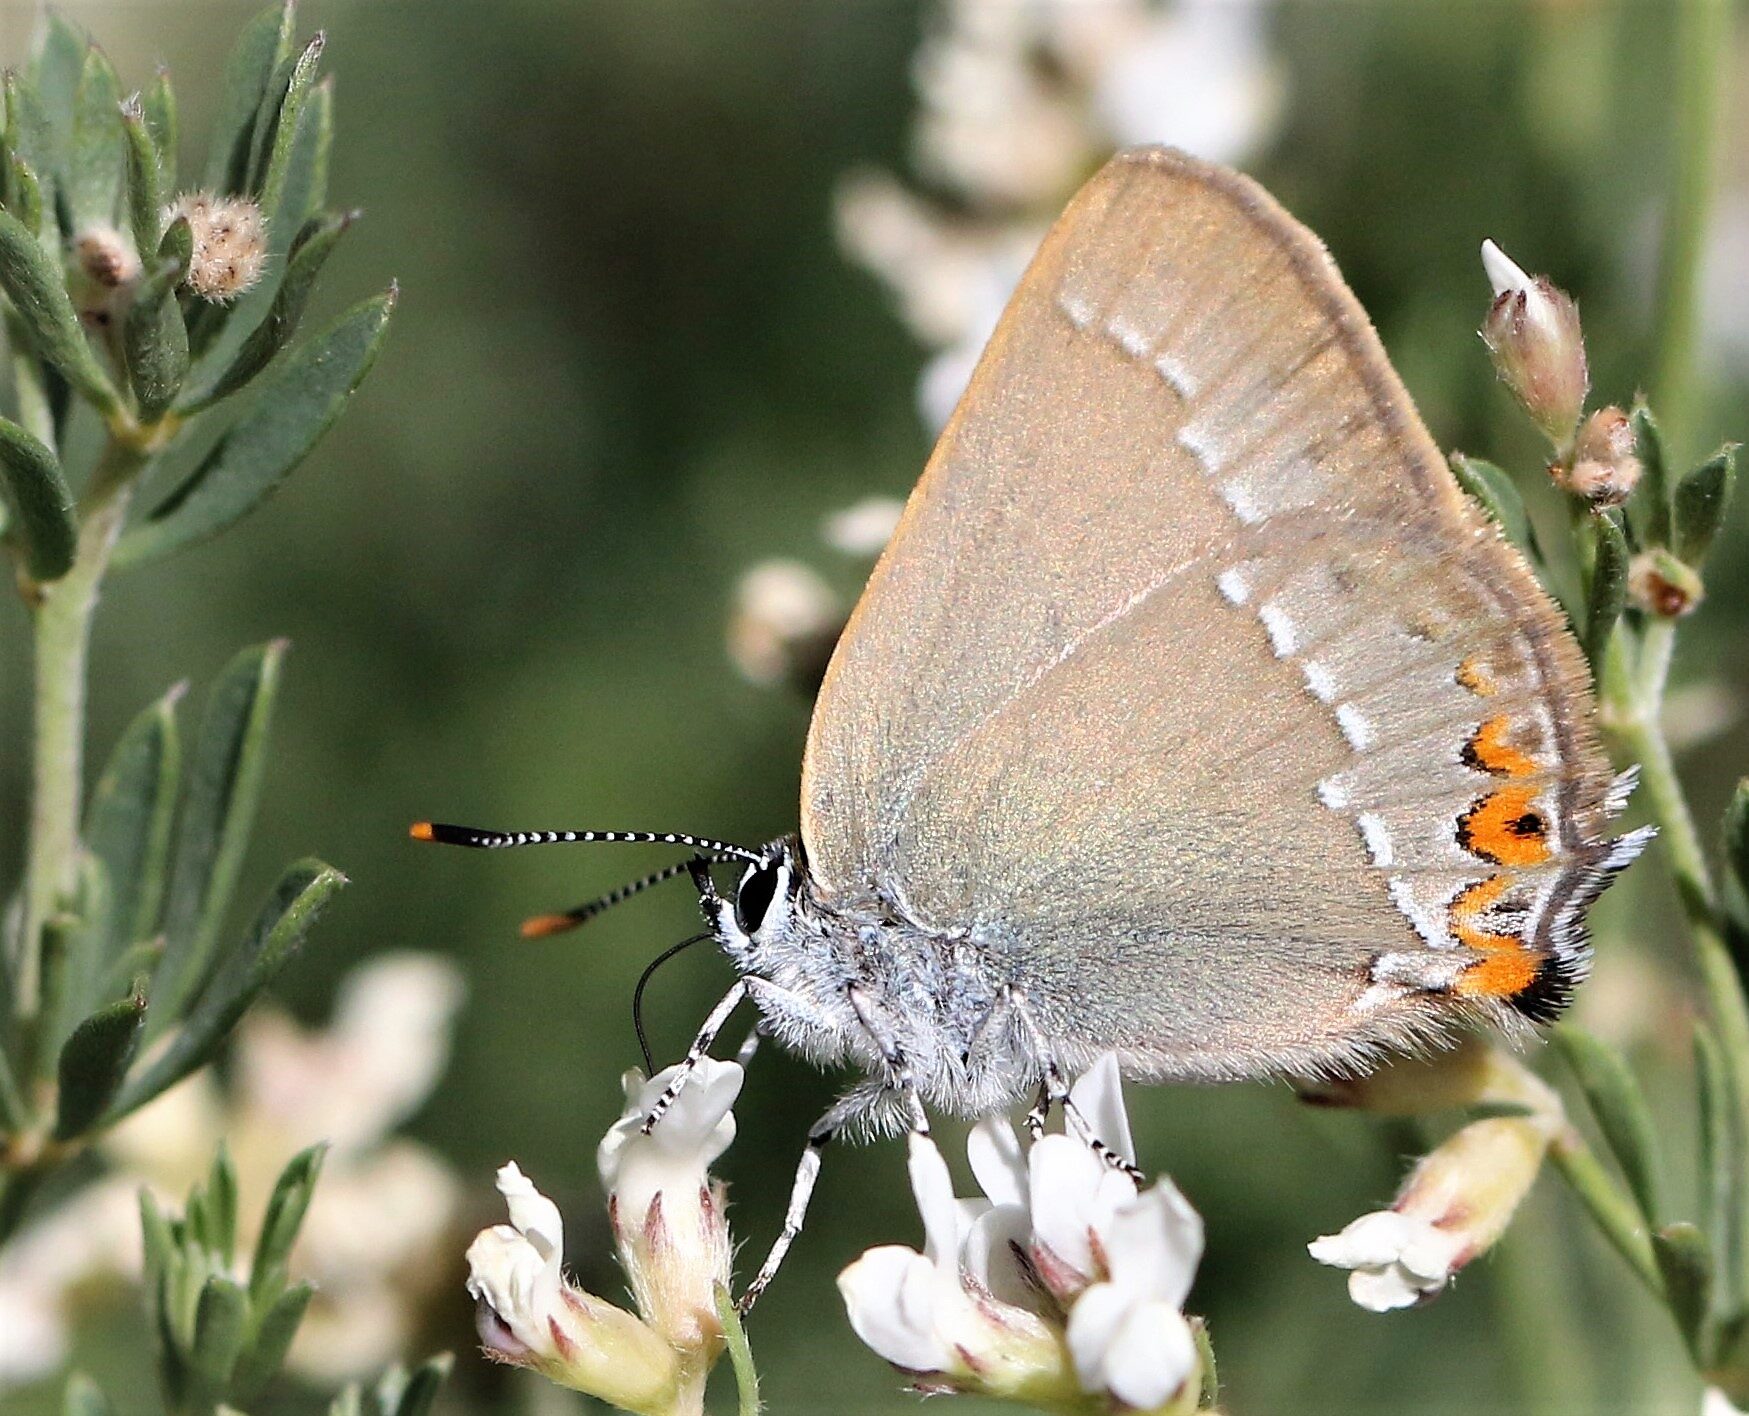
[(784, 615), (529, 1316), (1458, 1201), (863, 528), (1061, 1283), (666, 1210)]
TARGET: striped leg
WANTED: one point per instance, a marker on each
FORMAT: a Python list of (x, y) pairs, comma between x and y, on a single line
[(820, 1135), (695, 1054), (901, 1078), (1054, 1091)]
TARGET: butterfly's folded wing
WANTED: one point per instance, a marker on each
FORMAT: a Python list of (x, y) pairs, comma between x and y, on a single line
[(1192, 687)]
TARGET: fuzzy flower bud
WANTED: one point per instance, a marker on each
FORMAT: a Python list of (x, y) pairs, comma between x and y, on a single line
[(667, 1211), (230, 243), (1458, 1201), (530, 1316), (1604, 469), (1661, 585), (1532, 330), (104, 273)]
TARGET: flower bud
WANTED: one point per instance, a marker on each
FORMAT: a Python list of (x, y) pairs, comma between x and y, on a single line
[(667, 1211), (103, 276), (1604, 468), (1661, 585), (529, 1316), (1458, 1201), (1532, 330), (230, 243)]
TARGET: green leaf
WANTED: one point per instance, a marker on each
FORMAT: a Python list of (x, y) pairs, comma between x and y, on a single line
[(1497, 495), (155, 339), (63, 941), (1724, 1203), (83, 1397), (264, 42), (1654, 497), (145, 177), (220, 1325), (218, 812), (53, 89), (93, 1063), (1737, 833), (306, 176), (740, 1353), (40, 503), (159, 1238), (298, 403), (277, 933), (95, 166), (1608, 591), (284, 1217), (347, 1401), (1621, 1111), (127, 826), (428, 1378), (281, 133), (1683, 1260), (1702, 498), (14, 1114), (270, 1339), (159, 105), (309, 251), (221, 1197), (34, 282), (25, 199)]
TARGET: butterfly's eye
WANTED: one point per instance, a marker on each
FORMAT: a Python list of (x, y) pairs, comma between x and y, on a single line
[(753, 898)]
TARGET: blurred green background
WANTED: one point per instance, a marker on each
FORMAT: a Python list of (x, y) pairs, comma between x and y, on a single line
[(630, 361)]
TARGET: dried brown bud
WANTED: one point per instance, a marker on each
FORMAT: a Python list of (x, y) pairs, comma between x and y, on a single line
[(230, 243), (1604, 469), (1661, 585), (1532, 330)]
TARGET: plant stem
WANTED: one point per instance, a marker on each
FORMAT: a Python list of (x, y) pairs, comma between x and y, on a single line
[(63, 639), (1701, 51), (1614, 1213)]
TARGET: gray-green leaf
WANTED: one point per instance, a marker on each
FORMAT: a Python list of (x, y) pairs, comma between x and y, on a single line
[(279, 1226), (224, 788), (145, 177), (274, 938), (1621, 1111), (265, 40), (33, 280), (1497, 495), (93, 1063), (282, 133), (428, 1378), (1724, 1202), (1609, 586), (298, 403), (155, 339), (1686, 1266), (83, 1397), (159, 105), (274, 1328), (1653, 499), (95, 166), (127, 826), (1701, 500), (40, 502)]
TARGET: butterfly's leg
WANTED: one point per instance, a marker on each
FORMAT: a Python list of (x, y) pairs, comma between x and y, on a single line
[(1040, 1113), (749, 1045), (707, 1034), (1054, 1090), (902, 1079), (820, 1135)]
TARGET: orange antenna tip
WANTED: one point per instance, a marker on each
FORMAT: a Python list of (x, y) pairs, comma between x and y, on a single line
[(422, 831), (540, 926)]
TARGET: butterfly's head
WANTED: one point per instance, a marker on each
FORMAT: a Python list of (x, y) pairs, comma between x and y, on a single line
[(761, 909)]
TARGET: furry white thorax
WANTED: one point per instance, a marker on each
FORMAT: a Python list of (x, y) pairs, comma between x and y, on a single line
[(926, 996)]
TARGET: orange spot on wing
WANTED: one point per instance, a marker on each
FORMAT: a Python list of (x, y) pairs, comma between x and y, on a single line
[(1473, 676), (1489, 751), (1501, 975), (1468, 908), (1506, 827)]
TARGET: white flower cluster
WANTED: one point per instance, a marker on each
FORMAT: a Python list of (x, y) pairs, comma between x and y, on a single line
[(673, 1242), (1017, 102), (1065, 1281)]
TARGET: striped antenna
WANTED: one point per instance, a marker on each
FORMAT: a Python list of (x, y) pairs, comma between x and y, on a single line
[(541, 926), (480, 839)]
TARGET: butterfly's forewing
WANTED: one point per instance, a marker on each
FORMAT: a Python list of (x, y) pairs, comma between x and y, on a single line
[(1192, 688)]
